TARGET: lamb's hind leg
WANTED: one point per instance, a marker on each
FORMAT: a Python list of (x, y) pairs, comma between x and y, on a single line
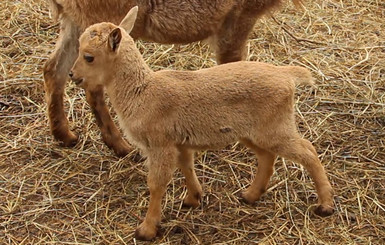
[(302, 151), (194, 189), (110, 133), (55, 76), (262, 177)]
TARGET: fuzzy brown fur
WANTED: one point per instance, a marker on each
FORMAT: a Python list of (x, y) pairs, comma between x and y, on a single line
[(171, 114), (226, 23)]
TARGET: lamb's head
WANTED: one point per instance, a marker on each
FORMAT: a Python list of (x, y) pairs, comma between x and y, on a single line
[(99, 47)]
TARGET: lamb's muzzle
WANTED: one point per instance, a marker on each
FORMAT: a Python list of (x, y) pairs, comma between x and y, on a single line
[(77, 81), (171, 114)]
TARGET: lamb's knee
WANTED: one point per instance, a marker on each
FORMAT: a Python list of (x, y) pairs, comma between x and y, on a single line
[(308, 145), (295, 150), (161, 165)]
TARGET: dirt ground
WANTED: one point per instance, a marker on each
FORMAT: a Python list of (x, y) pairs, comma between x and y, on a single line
[(86, 195)]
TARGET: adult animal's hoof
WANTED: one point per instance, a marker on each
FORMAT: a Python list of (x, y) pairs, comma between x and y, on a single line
[(68, 139)]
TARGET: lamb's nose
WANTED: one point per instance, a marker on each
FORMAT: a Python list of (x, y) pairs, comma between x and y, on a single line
[(71, 74)]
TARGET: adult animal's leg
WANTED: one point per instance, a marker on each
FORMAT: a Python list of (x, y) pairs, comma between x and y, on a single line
[(110, 133), (229, 43), (55, 76)]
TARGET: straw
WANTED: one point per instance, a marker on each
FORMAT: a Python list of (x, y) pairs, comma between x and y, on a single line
[(86, 195)]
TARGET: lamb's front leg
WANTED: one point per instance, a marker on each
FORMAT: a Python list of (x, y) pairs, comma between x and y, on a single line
[(194, 188), (110, 133), (162, 164)]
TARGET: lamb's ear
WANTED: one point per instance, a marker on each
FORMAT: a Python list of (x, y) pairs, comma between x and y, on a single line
[(114, 39), (129, 21)]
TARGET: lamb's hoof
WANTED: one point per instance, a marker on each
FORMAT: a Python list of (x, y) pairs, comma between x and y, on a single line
[(68, 140), (247, 198), (323, 211), (192, 201), (145, 233)]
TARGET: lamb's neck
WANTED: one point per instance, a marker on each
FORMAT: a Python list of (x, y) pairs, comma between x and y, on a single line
[(131, 69), (130, 78)]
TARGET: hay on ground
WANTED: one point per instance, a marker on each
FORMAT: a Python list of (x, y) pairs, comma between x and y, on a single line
[(86, 195)]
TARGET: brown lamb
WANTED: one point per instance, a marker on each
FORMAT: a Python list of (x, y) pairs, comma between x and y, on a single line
[(171, 114), (226, 23)]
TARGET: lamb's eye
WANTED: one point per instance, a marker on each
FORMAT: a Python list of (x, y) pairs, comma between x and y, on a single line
[(89, 58)]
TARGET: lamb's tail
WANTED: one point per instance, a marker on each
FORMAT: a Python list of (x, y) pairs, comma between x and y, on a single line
[(299, 75)]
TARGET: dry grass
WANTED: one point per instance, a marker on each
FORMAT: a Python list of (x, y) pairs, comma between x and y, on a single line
[(85, 195)]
